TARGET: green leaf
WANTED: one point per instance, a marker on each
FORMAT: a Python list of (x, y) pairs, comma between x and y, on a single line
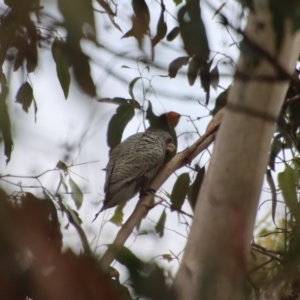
[(141, 12), (276, 147), (220, 101), (176, 64), (117, 218), (82, 72), (287, 183), (76, 193), (5, 125), (195, 187), (120, 101), (63, 183), (31, 51), (25, 96), (125, 257), (214, 78), (271, 183), (180, 190), (73, 216), (131, 85), (117, 124), (64, 77), (177, 2), (193, 31), (140, 21), (167, 257), (193, 70), (61, 165), (150, 282), (173, 34), (293, 113), (205, 79), (161, 28), (76, 14), (160, 226), (19, 60)]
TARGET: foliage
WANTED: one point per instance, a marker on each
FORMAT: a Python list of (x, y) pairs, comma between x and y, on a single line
[(31, 227)]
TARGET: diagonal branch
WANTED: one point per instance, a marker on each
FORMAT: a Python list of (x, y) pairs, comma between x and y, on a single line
[(177, 162)]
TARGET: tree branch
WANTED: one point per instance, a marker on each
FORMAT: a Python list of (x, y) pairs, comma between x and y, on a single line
[(142, 208)]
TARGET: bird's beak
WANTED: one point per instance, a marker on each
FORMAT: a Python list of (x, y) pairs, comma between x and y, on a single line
[(170, 147)]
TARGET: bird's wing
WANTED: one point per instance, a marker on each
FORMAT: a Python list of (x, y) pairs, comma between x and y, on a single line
[(111, 165), (140, 157)]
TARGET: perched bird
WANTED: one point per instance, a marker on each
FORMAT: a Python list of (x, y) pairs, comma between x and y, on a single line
[(133, 164)]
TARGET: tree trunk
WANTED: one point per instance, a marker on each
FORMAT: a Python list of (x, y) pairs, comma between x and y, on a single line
[(215, 259)]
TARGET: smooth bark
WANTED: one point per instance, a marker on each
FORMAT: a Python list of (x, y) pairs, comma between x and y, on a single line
[(215, 259)]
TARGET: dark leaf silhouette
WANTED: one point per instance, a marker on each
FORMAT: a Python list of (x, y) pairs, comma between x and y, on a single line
[(147, 279), (110, 13), (131, 86), (271, 183), (173, 34), (195, 186), (82, 73), (76, 193), (193, 70), (220, 101), (82, 12), (120, 101), (161, 28), (276, 146), (117, 124), (117, 218), (63, 64), (180, 190), (19, 60), (287, 183), (25, 96), (61, 165), (193, 32), (5, 125), (160, 226), (214, 77), (30, 49), (176, 64), (140, 21), (205, 79)]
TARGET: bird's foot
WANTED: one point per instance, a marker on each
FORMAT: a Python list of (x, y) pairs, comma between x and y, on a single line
[(146, 192)]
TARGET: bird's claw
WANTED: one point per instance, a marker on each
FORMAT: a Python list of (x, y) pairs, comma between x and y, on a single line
[(146, 192)]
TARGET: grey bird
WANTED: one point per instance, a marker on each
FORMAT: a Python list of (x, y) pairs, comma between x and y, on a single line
[(133, 164)]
